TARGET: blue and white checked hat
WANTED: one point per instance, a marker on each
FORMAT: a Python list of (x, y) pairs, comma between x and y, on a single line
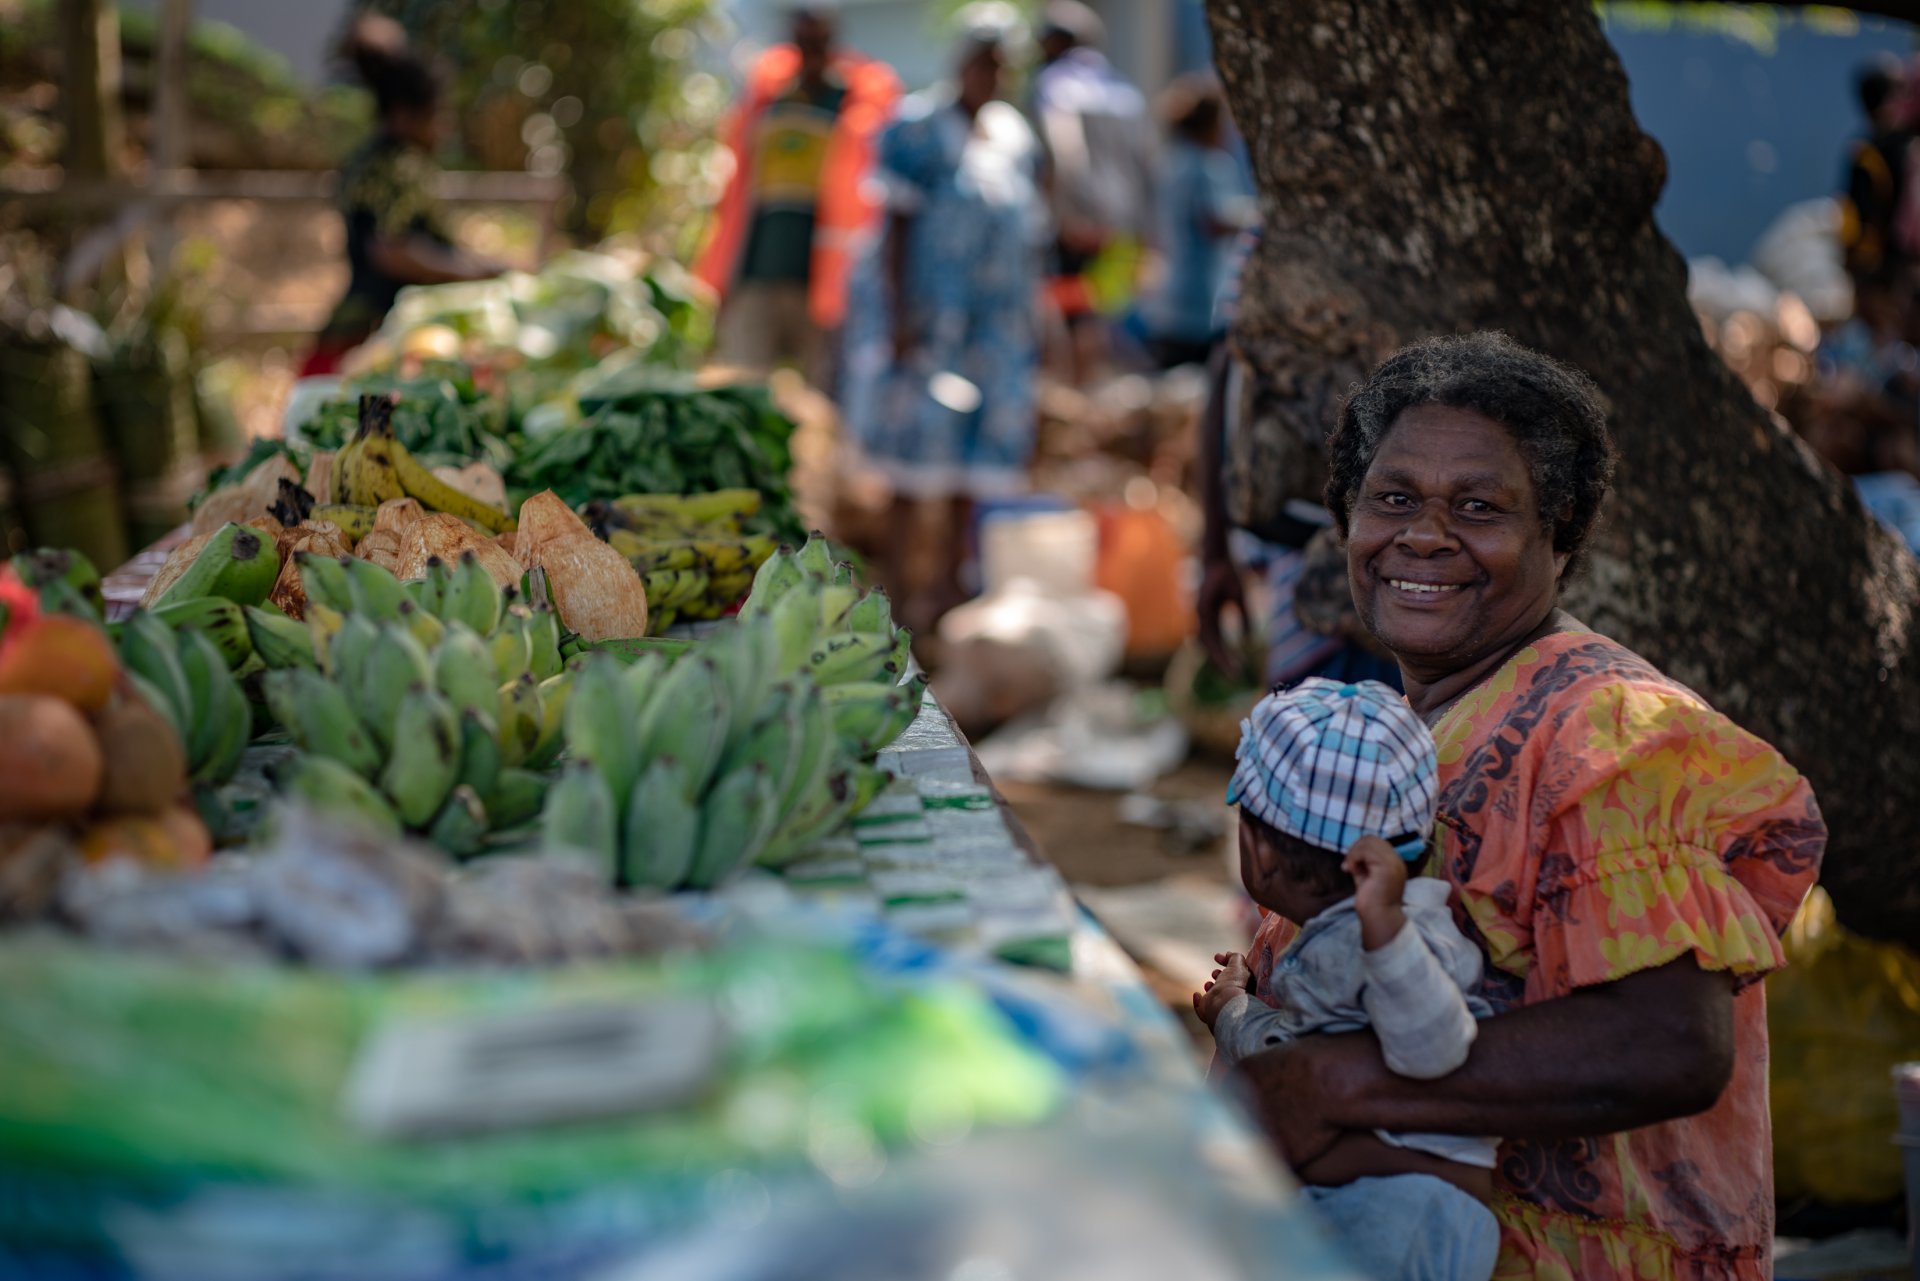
[(1330, 763)]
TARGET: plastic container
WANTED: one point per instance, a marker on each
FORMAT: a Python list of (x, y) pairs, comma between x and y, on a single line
[(1906, 1094), (1055, 550), (1140, 561)]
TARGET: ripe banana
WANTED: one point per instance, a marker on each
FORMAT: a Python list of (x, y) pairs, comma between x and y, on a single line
[(424, 759), (334, 789), (278, 640), (460, 828), (662, 830), (316, 712), (734, 825), (516, 797), (716, 506), (355, 522), (364, 473), (237, 563), (579, 817), (438, 495)]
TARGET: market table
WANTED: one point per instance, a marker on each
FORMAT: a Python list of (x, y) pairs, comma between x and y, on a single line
[(1123, 1163)]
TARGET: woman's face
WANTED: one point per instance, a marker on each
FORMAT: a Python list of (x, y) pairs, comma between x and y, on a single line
[(1447, 552), (980, 76)]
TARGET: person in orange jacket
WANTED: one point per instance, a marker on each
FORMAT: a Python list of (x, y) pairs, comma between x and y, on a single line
[(784, 236)]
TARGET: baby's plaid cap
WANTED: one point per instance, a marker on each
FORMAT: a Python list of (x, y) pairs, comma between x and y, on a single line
[(1329, 763)]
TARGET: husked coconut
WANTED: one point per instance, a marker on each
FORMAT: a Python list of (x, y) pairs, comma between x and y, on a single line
[(597, 590)]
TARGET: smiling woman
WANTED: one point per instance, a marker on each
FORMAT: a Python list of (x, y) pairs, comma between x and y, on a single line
[(1625, 856)]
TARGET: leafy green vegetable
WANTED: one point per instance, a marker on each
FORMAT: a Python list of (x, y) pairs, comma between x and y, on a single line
[(441, 416), (652, 431)]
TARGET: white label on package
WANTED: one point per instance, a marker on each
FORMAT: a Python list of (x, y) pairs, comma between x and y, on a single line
[(424, 1076)]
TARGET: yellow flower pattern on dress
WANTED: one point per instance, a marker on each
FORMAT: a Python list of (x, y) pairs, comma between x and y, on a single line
[(1597, 820)]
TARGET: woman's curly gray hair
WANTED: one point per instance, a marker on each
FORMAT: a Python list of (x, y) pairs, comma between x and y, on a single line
[(1556, 414)]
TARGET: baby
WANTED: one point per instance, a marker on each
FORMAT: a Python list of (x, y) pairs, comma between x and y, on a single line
[(1336, 787)]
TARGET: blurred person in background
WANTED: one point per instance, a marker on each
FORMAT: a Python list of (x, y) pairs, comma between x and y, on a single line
[(396, 231), (783, 238), (1099, 146), (1205, 204), (942, 343), (1306, 621), (1876, 175)]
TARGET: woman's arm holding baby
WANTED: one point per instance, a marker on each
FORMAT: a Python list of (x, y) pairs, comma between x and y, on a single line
[(1647, 1048)]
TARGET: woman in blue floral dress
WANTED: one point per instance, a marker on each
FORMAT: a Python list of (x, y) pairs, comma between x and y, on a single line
[(941, 342)]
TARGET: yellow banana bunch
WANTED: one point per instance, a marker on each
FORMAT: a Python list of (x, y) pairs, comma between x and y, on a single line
[(722, 506), (374, 467)]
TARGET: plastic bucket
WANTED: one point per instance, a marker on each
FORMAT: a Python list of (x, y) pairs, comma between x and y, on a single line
[(1906, 1093), (1056, 550)]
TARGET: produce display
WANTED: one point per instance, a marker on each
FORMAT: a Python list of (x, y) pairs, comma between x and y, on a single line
[(649, 431), (94, 766)]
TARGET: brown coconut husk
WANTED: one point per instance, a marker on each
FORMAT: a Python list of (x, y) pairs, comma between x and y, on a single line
[(445, 536), (319, 480), (597, 590), (249, 499), (396, 514), (320, 537), (382, 547)]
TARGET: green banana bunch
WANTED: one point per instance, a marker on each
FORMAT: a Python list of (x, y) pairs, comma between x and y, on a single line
[(516, 798), (580, 817), (392, 666), (320, 718), (601, 718), (522, 720), (423, 761), (373, 590), (65, 579), (662, 830), (279, 641), (735, 820), (688, 717), (463, 670), (218, 619), (461, 826), (237, 563), (471, 596), (328, 785), (867, 715), (217, 718), (325, 580)]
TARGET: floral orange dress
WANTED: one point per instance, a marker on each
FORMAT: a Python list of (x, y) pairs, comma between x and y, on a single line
[(1598, 819)]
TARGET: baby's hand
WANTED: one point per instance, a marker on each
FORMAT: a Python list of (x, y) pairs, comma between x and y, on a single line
[(1380, 880), (1230, 980)]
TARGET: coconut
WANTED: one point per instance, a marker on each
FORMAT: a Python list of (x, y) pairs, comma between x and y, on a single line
[(597, 590), (445, 536)]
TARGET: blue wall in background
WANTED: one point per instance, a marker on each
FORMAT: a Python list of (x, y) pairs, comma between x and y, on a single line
[(1746, 132)]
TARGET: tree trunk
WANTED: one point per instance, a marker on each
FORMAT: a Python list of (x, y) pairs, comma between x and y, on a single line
[(1437, 166), (90, 87)]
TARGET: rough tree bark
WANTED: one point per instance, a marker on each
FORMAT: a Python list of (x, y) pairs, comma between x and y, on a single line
[(1436, 166)]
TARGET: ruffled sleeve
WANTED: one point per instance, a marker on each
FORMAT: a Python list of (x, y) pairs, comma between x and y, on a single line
[(1665, 830)]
